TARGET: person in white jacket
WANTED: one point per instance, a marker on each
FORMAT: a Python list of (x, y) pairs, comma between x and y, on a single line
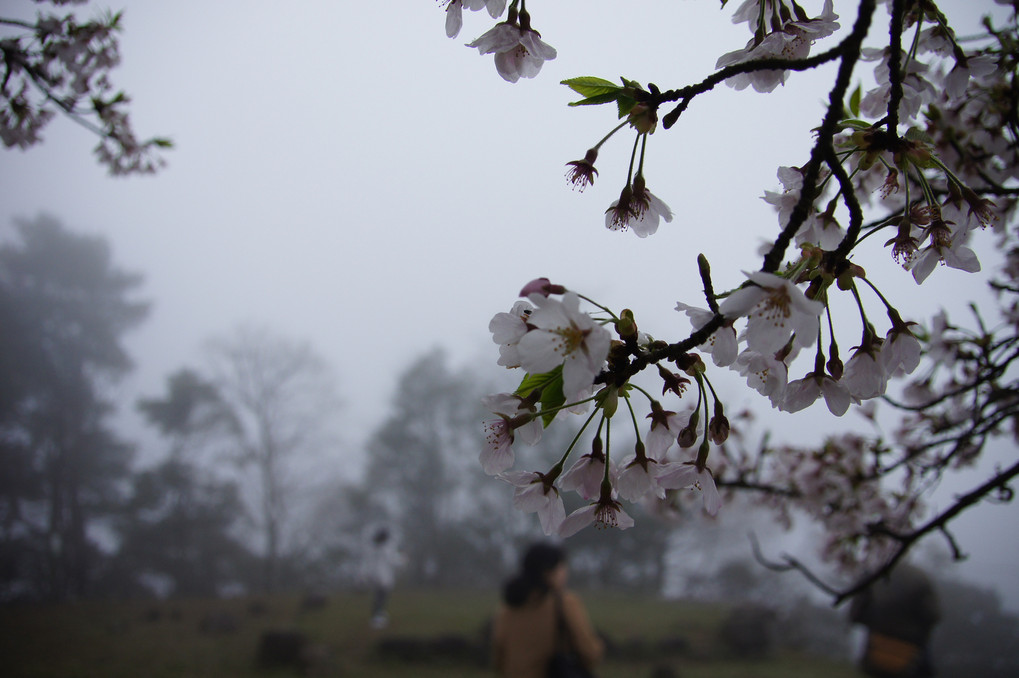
[(379, 567)]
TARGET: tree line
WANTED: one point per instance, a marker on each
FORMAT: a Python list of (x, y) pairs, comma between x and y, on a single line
[(245, 492)]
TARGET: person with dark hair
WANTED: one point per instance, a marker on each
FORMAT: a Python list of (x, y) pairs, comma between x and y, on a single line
[(540, 617), (899, 613)]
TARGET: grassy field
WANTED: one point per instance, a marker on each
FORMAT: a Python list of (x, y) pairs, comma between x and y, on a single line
[(432, 635)]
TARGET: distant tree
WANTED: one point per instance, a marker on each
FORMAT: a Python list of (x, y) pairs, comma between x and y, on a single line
[(423, 475), (192, 415), (64, 308), (178, 529), (282, 396)]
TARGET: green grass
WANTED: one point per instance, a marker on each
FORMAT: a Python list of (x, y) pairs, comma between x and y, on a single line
[(164, 640)]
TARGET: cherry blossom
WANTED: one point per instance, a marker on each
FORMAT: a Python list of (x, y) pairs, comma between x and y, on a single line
[(585, 476), (516, 417), (776, 310), (563, 335), (62, 65), (688, 474), (639, 475), (454, 18), (790, 41), (519, 52), (920, 185), (955, 255), (542, 286), (665, 427), (639, 478), (582, 172), (604, 513), (802, 393), (639, 210), (916, 88), (507, 329), (865, 375), (454, 12), (957, 80), (818, 229), (765, 373), (722, 344), (901, 351), (534, 494)]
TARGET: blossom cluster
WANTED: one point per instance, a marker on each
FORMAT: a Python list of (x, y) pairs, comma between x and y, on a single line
[(840, 486), (58, 64), (519, 50), (781, 30), (922, 159), (564, 349)]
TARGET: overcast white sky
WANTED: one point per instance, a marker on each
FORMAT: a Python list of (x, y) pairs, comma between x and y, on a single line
[(346, 174)]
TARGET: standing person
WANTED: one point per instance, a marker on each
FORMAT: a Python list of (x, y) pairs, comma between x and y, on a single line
[(899, 613), (379, 569), (539, 617)]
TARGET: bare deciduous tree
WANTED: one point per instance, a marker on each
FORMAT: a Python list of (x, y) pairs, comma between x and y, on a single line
[(282, 394)]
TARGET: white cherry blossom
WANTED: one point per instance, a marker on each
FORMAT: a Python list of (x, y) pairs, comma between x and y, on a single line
[(519, 52), (900, 352), (686, 475), (604, 512), (865, 374), (639, 479), (665, 427), (585, 476), (957, 255), (532, 494), (722, 344), (454, 18), (454, 12), (802, 393), (791, 41), (507, 329), (776, 310), (514, 420), (764, 373), (641, 211), (564, 335)]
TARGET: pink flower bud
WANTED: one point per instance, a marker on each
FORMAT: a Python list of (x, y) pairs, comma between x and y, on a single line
[(542, 286)]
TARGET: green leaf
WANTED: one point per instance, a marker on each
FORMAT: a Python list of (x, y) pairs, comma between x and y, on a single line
[(854, 101), (530, 382), (590, 86), (626, 104), (551, 385), (856, 124), (917, 134), (595, 100), (552, 399)]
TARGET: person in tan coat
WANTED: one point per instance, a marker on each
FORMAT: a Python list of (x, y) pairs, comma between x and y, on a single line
[(900, 613), (527, 632)]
